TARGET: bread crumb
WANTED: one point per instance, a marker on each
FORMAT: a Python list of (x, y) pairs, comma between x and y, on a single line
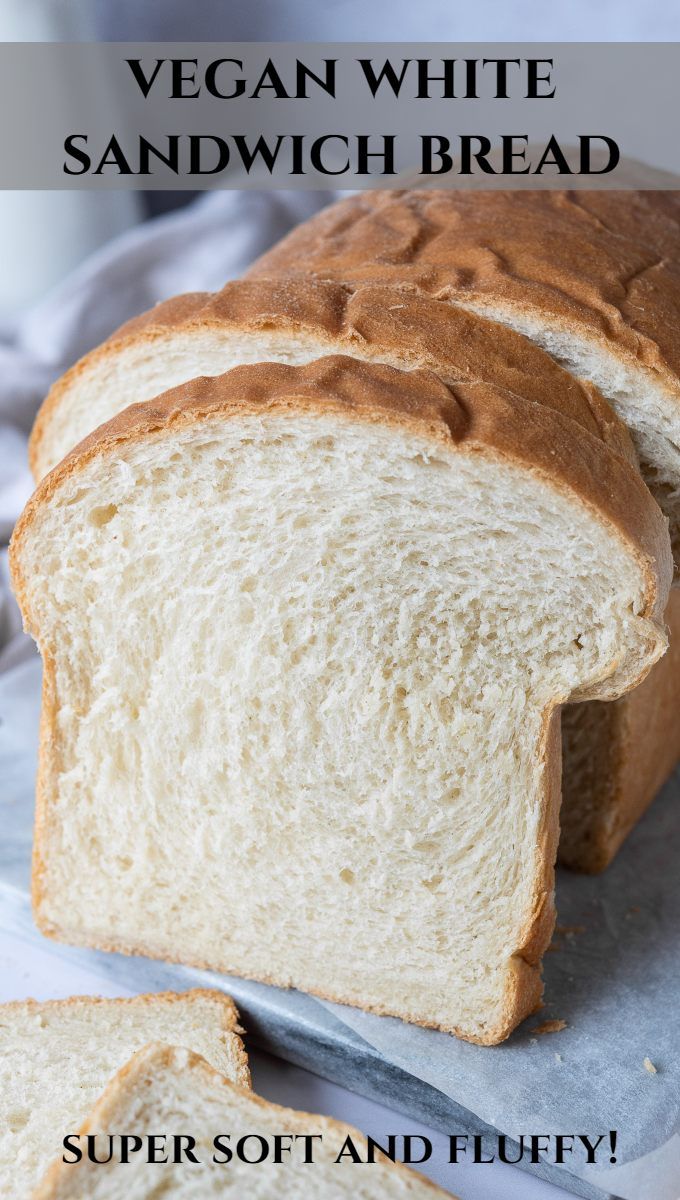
[(550, 1027), (558, 1057), (649, 1066), (570, 930), (533, 1041)]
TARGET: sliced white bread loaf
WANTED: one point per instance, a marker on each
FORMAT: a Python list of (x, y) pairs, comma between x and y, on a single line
[(305, 631), (296, 320), (168, 1090), (593, 278), (57, 1057)]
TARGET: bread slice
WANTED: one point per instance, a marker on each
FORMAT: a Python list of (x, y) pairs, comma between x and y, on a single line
[(296, 321), (593, 278), (305, 634), (169, 1091), (57, 1057), (616, 757)]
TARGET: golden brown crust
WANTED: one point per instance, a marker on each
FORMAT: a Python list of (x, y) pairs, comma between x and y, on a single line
[(371, 321), (475, 413), (603, 263), (476, 418), (616, 758), (108, 1114)]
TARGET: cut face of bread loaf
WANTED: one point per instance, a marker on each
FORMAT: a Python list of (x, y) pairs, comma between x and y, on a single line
[(168, 1090), (304, 631), (56, 1059), (616, 757), (593, 278), (294, 322)]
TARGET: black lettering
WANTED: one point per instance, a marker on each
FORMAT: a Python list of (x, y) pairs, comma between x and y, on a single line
[(387, 71), (179, 1149), (179, 79), (76, 152), (196, 166), (561, 1147), (430, 150), (270, 80), (211, 79), (590, 1147), (156, 1147), (386, 154), (425, 79), (303, 73), (261, 150), (113, 157), (130, 1143), (221, 1146), (480, 156), (171, 159), (261, 1143), (409, 1141), (68, 1144), (586, 167), (501, 65), (510, 154), (533, 79), (503, 1143), (144, 84), (317, 148), (348, 1150), (553, 156), (455, 1147), (280, 1148), (478, 1142), (389, 1150)]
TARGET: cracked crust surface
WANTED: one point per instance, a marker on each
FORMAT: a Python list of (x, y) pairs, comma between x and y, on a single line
[(578, 258), (370, 323)]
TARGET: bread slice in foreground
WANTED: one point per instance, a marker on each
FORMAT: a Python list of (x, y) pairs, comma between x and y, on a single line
[(591, 277), (295, 321), (305, 632), (616, 757), (57, 1057), (166, 1090)]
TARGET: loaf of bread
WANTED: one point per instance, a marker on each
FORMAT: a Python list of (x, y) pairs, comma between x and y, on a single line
[(593, 278), (171, 1090), (56, 1059), (297, 320), (305, 633)]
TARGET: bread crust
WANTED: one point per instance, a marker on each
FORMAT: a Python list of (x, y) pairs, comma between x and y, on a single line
[(474, 418), (229, 1013), (409, 330), (147, 1062), (602, 264), (616, 757)]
